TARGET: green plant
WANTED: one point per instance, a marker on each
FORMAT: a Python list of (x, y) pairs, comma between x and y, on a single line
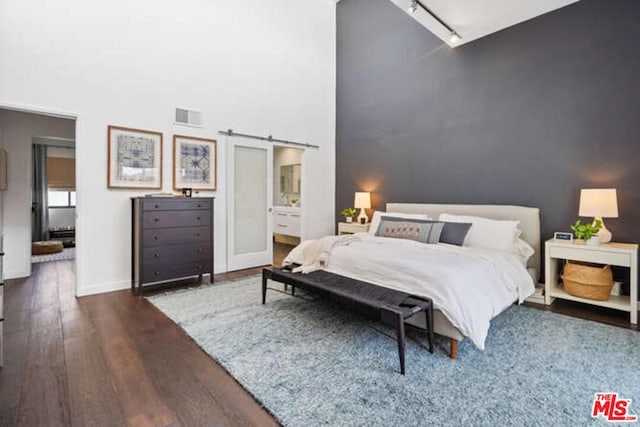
[(586, 230), (294, 200), (348, 212)]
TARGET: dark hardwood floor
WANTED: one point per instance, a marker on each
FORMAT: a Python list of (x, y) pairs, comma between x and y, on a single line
[(110, 359), (114, 359)]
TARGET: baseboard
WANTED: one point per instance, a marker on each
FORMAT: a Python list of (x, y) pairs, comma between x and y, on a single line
[(102, 288)]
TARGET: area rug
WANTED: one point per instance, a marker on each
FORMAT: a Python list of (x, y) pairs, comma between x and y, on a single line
[(67, 253), (310, 363)]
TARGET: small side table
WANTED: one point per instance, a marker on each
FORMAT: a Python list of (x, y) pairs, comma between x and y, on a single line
[(620, 254), (352, 227)]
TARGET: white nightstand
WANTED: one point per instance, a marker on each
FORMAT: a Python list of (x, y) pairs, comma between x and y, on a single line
[(620, 254), (352, 227)]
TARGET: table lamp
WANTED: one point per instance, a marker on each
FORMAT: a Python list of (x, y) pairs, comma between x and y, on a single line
[(362, 201), (599, 203)]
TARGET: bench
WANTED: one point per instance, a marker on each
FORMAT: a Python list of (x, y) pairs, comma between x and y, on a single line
[(390, 306)]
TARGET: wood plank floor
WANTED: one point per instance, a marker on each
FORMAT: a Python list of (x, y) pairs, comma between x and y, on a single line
[(110, 359), (114, 359)]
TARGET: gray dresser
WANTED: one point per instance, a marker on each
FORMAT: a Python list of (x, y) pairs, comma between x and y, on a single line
[(1, 301), (172, 239)]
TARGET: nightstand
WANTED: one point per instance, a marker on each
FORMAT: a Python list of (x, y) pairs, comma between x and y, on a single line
[(620, 254), (352, 227)]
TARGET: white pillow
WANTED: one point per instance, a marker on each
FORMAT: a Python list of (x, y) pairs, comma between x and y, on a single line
[(375, 220), (487, 233), (523, 250)]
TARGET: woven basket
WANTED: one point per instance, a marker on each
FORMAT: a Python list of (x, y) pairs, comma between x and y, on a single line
[(587, 281)]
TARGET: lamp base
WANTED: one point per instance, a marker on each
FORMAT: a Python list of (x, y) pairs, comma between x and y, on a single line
[(363, 214), (604, 234)]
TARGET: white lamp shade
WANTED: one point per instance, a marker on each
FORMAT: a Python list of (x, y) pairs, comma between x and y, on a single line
[(362, 200), (599, 202)]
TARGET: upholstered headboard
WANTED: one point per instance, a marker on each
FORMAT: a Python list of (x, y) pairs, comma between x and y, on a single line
[(529, 220)]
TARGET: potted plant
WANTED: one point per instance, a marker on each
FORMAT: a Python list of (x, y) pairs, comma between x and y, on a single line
[(294, 201), (587, 231), (348, 214)]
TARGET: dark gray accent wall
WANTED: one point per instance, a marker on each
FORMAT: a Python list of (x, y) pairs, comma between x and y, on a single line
[(526, 116)]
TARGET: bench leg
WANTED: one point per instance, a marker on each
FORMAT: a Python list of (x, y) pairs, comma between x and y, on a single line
[(429, 318), (401, 340), (264, 287), (293, 291)]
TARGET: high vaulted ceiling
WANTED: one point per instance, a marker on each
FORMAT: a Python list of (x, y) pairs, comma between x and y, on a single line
[(472, 19)]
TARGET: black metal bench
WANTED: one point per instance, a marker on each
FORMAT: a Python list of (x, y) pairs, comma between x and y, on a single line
[(391, 306)]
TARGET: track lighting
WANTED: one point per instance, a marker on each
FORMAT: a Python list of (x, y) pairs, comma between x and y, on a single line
[(453, 36), (412, 8)]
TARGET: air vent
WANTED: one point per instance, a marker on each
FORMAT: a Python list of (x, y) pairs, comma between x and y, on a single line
[(188, 117)]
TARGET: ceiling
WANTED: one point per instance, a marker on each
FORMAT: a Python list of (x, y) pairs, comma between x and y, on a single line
[(473, 19)]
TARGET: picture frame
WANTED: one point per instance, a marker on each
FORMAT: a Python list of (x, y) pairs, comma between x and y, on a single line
[(195, 163), (134, 158)]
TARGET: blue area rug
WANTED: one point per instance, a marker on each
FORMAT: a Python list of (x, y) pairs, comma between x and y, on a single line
[(310, 363)]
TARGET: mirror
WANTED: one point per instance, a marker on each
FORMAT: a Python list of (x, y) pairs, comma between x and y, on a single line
[(290, 179)]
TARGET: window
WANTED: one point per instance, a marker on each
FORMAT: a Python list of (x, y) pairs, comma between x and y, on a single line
[(61, 199)]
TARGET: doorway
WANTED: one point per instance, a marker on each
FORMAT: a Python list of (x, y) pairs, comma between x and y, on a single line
[(287, 201), (18, 127), (53, 199)]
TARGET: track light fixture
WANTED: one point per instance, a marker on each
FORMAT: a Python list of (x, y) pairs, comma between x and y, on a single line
[(453, 36), (412, 8)]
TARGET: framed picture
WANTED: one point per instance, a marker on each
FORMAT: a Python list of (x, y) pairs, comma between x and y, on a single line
[(134, 158), (195, 163)]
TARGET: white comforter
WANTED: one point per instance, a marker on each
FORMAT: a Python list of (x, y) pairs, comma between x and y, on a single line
[(470, 286)]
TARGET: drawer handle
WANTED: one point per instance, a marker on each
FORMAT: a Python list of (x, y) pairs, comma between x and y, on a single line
[(281, 214), (156, 219), (157, 273), (156, 206), (156, 255), (295, 215), (199, 267), (282, 225), (197, 234), (155, 237), (199, 250), (198, 218), (199, 205)]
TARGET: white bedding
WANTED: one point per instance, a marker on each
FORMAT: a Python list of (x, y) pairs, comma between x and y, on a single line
[(469, 285)]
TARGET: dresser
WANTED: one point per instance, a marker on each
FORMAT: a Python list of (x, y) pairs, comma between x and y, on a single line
[(172, 239), (1, 302)]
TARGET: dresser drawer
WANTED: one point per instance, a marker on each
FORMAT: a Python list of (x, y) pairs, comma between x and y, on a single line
[(176, 253), (162, 219), (286, 223), (158, 272), (177, 204), (175, 236)]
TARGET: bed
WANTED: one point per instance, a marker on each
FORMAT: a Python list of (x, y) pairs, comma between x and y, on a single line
[(457, 314)]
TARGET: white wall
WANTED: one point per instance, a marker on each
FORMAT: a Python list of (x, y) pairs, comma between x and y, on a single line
[(254, 66), (18, 130)]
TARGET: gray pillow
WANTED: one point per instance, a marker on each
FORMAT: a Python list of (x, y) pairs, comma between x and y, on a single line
[(418, 230), (452, 233)]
